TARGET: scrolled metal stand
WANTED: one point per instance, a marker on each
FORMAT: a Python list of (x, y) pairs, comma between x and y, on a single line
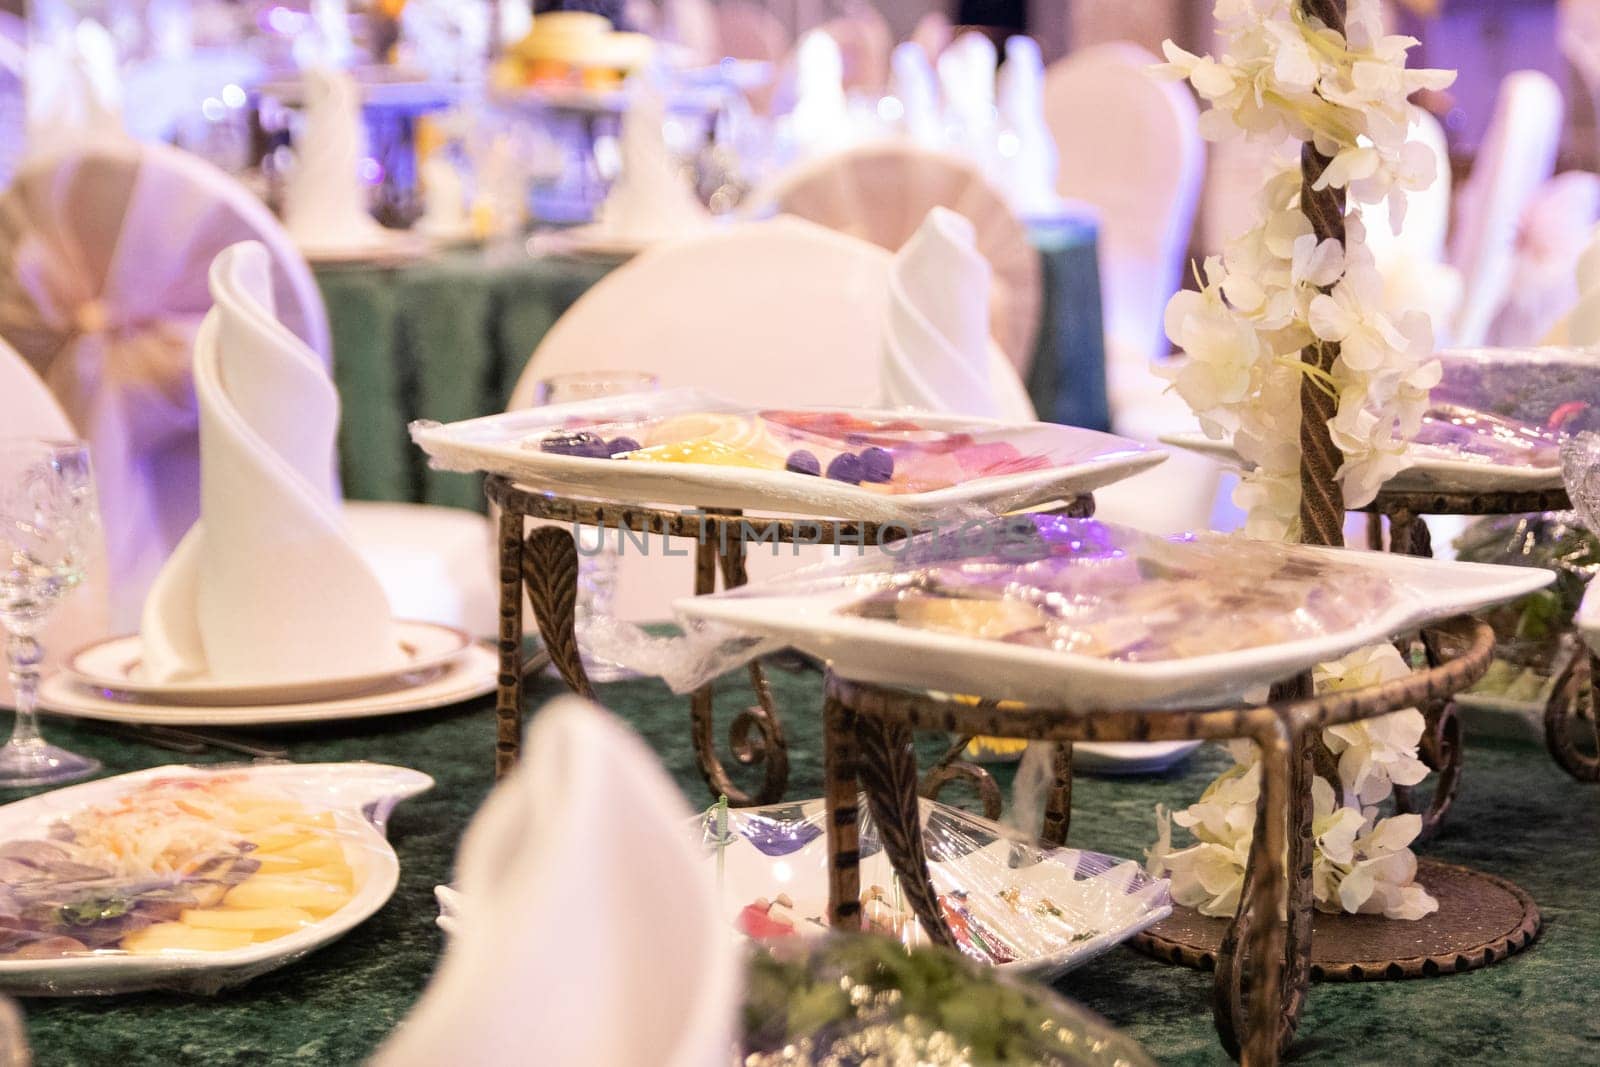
[(1263, 964), (1570, 708), (544, 563)]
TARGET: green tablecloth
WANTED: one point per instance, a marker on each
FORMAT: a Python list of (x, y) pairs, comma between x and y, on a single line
[(1517, 816), (447, 338)]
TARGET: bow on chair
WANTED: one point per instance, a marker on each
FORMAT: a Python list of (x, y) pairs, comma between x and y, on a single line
[(125, 379)]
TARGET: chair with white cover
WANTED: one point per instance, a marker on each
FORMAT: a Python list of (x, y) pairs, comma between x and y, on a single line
[(1412, 260), (28, 410), (1517, 156), (800, 314), (1554, 233), (746, 30), (881, 192), (104, 251), (1130, 147)]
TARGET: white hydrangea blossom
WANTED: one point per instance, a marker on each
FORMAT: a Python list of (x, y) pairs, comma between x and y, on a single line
[(1275, 290), (1360, 862)]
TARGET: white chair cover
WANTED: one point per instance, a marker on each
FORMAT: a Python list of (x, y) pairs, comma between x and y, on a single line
[(864, 42), (1130, 146), (1581, 326), (1411, 262), (746, 30), (104, 251), (27, 409), (881, 193), (692, 25), (1555, 231), (1517, 156)]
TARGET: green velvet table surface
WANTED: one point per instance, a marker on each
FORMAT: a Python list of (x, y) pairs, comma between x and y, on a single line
[(447, 338), (1517, 815)]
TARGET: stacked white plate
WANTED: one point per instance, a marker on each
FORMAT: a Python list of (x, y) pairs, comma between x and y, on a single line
[(107, 680)]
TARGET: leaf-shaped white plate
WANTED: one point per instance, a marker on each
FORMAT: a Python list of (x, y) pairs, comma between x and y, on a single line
[(359, 796)]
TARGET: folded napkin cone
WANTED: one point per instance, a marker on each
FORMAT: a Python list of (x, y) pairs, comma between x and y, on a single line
[(937, 352), (590, 931), (266, 587)]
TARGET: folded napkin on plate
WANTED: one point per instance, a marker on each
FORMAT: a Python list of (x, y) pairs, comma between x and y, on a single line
[(937, 352), (266, 587), (590, 930), (325, 203), (911, 81), (1581, 325), (966, 77), (820, 120), (651, 200), (1026, 166)]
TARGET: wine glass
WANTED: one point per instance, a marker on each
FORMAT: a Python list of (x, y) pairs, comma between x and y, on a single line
[(597, 570), (49, 527)]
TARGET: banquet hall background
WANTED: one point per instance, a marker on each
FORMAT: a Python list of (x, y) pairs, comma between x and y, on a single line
[(335, 291)]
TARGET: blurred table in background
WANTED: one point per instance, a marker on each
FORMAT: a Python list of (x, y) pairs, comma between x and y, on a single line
[(447, 337)]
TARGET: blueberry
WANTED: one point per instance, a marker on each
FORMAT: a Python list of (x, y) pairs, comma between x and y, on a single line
[(618, 445), (846, 467), (802, 462), (877, 465), (581, 443)]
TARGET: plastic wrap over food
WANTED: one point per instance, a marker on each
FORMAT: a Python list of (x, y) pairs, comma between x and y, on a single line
[(189, 878), (865, 1000), (1075, 586), (1510, 406), (1009, 902), (690, 448)]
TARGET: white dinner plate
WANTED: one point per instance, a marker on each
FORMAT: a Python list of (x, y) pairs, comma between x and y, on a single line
[(882, 652), (1130, 757), (493, 445), (360, 795), (1428, 474), (470, 674), (394, 247), (114, 665)]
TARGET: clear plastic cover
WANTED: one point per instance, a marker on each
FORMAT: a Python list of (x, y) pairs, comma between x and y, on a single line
[(1511, 406), (1009, 902), (190, 878), (690, 447), (865, 1000), (1075, 586)]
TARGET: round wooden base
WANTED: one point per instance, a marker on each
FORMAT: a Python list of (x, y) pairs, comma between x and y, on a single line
[(1481, 920)]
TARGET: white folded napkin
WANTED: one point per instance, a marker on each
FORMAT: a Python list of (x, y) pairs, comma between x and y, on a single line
[(651, 200), (589, 930), (937, 352), (967, 79), (912, 82), (446, 38), (444, 210), (266, 587), (74, 88), (820, 120), (329, 42), (325, 203), (1026, 159)]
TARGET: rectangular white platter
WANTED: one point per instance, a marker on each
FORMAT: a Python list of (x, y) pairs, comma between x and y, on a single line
[(881, 652), (492, 445), (1429, 473)]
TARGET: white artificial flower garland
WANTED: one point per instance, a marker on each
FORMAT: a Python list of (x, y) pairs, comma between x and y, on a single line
[(1275, 291)]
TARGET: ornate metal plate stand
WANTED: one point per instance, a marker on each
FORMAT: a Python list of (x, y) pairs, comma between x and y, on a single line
[(1570, 710), (1263, 964), (544, 561)]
